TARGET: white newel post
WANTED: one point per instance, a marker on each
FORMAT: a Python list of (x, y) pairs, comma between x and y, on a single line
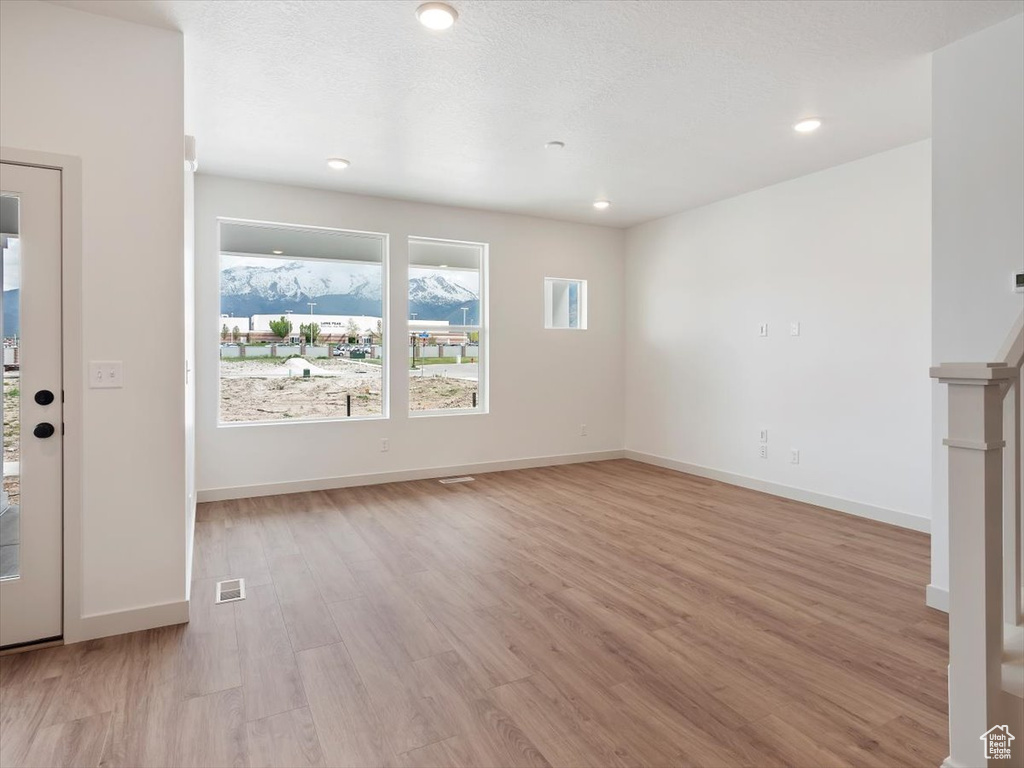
[(975, 554)]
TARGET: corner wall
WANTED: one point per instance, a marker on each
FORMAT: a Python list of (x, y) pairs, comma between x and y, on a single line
[(536, 404), (977, 223), (111, 93), (843, 252), (189, 270)]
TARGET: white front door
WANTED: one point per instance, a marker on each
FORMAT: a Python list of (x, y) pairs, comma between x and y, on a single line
[(31, 520)]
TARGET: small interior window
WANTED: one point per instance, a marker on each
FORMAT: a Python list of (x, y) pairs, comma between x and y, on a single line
[(565, 303)]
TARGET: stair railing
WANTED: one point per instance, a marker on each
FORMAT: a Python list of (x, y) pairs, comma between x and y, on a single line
[(984, 533)]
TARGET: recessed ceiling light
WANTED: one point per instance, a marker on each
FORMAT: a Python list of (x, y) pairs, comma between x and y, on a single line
[(436, 15), (555, 145), (338, 163), (443, 266), (808, 125), (277, 253), (602, 204)]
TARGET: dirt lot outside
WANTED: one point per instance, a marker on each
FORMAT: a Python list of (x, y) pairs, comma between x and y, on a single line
[(12, 433), (264, 389)]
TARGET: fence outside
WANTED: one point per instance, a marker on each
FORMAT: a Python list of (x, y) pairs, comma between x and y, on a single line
[(448, 350), (248, 351), (233, 351)]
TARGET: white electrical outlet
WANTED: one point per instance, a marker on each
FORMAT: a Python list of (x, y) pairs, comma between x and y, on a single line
[(794, 456), (762, 330), (385, 446), (764, 435), (794, 328), (583, 430), (764, 451)]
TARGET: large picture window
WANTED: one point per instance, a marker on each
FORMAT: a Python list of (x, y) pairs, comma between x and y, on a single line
[(302, 323), (447, 326)]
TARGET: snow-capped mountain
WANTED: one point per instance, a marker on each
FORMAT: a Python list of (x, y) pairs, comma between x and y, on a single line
[(302, 279), (433, 297), (435, 289), (342, 289)]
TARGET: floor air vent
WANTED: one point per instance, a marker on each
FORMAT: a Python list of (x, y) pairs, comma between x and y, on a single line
[(230, 590), (450, 480)]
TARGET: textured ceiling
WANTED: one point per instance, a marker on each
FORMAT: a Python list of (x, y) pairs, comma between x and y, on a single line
[(663, 105)]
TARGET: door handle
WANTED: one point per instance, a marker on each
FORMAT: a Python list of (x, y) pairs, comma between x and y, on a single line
[(44, 397), (43, 430)]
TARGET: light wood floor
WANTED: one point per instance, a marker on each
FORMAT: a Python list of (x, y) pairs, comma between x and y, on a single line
[(588, 615)]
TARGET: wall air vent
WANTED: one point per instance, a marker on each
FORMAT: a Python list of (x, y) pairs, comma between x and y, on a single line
[(231, 590)]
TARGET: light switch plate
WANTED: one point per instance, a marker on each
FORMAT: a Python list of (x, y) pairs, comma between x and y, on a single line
[(106, 374)]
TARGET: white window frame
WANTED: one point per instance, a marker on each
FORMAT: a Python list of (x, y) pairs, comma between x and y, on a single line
[(385, 392), (484, 345), (581, 298)]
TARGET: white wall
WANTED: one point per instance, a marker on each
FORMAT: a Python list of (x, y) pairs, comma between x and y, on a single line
[(536, 405), (189, 275), (978, 219), (844, 252), (110, 93)]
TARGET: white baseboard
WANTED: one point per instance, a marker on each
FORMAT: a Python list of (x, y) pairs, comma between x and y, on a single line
[(349, 481), (891, 516), (120, 622), (937, 598)]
